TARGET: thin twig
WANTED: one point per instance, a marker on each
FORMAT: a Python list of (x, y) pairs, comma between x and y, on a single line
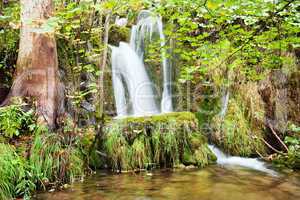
[(260, 155)]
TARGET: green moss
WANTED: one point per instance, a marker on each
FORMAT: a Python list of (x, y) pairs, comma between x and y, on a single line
[(203, 156), (197, 140), (2, 139), (180, 117), (197, 152), (118, 34), (141, 142), (236, 134)]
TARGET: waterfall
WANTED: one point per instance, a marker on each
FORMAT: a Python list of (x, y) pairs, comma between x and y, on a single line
[(128, 70), (147, 26), (224, 102), (133, 88), (251, 163)]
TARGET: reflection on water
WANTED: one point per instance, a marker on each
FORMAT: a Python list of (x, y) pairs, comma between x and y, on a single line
[(211, 183)]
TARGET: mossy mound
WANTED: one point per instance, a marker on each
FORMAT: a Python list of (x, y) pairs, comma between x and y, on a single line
[(165, 141), (241, 131)]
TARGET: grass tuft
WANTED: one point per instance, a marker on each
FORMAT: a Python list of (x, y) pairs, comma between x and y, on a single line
[(140, 143)]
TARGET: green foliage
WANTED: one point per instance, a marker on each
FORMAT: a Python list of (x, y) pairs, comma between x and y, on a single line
[(9, 37), (141, 154), (166, 144), (118, 34), (41, 159), (290, 159), (14, 121), (294, 128), (53, 161), (243, 37), (117, 148)]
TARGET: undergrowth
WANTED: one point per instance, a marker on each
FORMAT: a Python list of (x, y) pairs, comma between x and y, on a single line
[(33, 158), (11, 168), (236, 133)]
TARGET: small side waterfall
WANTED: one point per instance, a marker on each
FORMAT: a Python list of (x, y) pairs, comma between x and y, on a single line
[(251, 163), (133, 89), (224, 101)]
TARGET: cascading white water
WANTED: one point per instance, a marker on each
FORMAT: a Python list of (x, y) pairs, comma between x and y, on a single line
[(128, 69), (252, 163), (129, 73), (147, 26), (223, 159)]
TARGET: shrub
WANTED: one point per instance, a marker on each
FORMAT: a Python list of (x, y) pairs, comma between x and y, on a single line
[(14, 121), (291, 159)]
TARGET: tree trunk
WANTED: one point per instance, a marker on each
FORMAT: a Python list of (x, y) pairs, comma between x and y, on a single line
[(103, 65), (37, 73)]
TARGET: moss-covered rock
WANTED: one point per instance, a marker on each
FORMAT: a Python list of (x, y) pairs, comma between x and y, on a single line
[(118, 34), (196, 153), (137, 143), (180, 117)]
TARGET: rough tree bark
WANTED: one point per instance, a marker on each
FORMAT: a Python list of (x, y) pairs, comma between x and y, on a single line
[(37, 74)]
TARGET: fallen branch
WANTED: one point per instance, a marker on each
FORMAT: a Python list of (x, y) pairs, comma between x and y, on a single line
[(277, 137), (270, 146)]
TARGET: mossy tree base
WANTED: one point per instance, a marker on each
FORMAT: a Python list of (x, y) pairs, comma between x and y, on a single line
[(162, 141)]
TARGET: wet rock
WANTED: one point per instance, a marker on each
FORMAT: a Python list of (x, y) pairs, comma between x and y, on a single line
[(88, 106)]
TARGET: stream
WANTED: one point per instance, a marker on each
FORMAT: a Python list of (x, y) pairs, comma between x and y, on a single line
[(211, 183)]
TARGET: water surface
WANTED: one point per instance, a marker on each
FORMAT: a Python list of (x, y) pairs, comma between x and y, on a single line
[(211, 183)]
